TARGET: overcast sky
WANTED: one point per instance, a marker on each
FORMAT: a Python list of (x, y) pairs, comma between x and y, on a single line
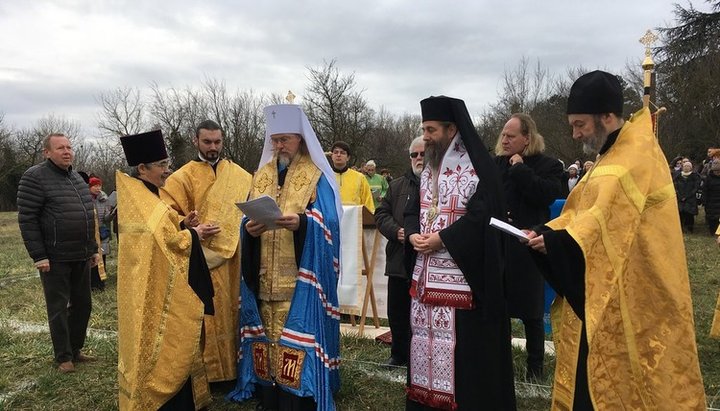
[(57, 56)]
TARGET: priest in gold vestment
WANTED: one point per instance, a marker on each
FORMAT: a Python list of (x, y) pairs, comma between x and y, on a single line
[(209, 187), (164, 288), (623, 321)]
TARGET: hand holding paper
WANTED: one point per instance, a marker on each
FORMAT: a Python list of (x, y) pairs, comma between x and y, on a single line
[(509, 229), (263, 210)]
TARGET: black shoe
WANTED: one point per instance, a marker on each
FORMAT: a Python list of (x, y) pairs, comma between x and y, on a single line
[(396, 362)]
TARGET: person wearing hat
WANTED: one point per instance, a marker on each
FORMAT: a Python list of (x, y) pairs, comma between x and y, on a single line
[(103, 212), (290, 318), (164, 288), (378, 184), (209, 186), (570, 179), (623, 320), (57, 224), (460, 356), (354, 187)]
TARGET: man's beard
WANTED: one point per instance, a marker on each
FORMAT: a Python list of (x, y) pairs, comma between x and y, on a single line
[(283, 160), (593, 144), (435, 151), (211, 155), (417, 170)]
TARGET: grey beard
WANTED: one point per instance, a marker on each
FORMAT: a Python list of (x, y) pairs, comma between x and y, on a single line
[(594, 144), (589, 149), (283, 161), (418, 170)]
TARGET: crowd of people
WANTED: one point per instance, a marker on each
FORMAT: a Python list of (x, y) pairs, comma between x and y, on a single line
[(209, 295)]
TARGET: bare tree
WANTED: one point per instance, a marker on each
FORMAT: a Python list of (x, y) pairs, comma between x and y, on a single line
[(105, 156), (542, 95), (122, 112), (170, 111), (28, 141), (389, 140), (524, 88), (245, 129), (335, 108)]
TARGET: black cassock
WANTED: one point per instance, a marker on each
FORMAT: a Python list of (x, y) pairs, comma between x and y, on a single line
[(483, 356)]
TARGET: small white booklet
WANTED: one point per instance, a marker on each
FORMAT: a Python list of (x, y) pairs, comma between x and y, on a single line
[(263, 210), (507, 228)]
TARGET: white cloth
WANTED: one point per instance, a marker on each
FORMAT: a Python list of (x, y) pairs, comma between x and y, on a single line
[(438, 279)]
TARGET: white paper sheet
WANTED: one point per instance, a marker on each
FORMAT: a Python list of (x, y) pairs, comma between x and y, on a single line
[(263, 210), (507, 228)]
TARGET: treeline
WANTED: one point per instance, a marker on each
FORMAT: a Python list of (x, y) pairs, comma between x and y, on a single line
[(687, 66)]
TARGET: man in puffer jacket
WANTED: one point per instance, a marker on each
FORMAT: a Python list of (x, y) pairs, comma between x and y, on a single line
[(55, 212)]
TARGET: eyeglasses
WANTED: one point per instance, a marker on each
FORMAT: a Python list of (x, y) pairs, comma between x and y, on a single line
[(417, 153), (161, 164)]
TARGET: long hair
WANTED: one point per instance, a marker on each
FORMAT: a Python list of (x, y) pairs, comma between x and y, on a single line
[(528, 128)]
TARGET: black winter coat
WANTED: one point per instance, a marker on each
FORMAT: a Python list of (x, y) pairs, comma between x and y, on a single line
[(389, 218), (530, 188), (56, 214), (686, 189), (711, 195)]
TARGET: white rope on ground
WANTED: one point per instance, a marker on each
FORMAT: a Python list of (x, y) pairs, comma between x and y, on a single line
[(23, 386), (23, 327)]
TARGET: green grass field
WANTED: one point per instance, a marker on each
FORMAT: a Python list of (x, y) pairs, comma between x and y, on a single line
[(29, 381)]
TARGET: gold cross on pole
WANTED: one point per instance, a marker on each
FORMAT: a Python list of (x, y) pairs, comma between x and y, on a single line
[(647, 40)]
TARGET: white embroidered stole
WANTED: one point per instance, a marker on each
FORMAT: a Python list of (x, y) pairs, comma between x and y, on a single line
[(437, 279), (438, 285)]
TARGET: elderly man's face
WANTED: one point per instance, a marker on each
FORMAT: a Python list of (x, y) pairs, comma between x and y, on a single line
[(156, 172), (60, 152), (286, 146), (588, 130), (417, 157), (370, 169), (512, 139)]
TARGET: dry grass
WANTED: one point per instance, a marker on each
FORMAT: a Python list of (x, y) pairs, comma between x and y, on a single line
[(28, 380)]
